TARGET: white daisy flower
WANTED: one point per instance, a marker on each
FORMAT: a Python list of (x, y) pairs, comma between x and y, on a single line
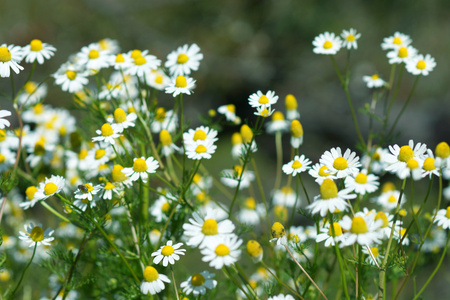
[(396, 41), (362, 229), (286, 196), (320, 172), (83, 204), (420, 65), (278, 123), (109, 45), (362, 183), (157, 79), (93, 58), (222, 251), (374, 81), (291, 106), (87, 191), (121, 120), (406, 160), (250, 212), (107, 134), (180, 85), (373, 254), (350, 38), (443, 218), (3, 122), (167, 146), (330, 199), (168, 254), (200, 134), (38, 51), (264, 111), (153, 282), (49, 187), (278, 234), (229, 111), (142, 64), (296, 134), (340, 165), (70, 80), (327, 43), (35, 235), (10, 57), (326, 234), (31, 199), (259, 99), (231, 177), (184, 60), (197, 284), (375, 162), (442, 152), (141, 168), (298, 165), (32, 93), (200, 230), (388, 199), (200, 149), (401, 54), (429, 165), (163, 119)]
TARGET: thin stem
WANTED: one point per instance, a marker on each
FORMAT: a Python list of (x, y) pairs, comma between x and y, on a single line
[(174, 283), (280, 281), (50, 209), (279, 151), (24, 271), (338, 254)]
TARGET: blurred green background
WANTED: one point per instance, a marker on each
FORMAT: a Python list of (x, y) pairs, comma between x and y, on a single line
[(259, 45)]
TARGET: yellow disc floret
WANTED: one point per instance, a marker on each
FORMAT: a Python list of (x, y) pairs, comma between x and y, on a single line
[(340, 163), (165, 138), (210, 227), (361, 178), (37, 234), (254, 249), (421, 65), (296, 129), (428, 164), (296, 165), (30, 191), (197, 280), (382, 216), (337, 229), (290, 102), (150, 274), (36, 45), (167, 250), (93, 54), (5, 54), (139, 61), (250, 203), (403, 52), (107, 130), (412, 164), (277, 116), (119, 115), (200, 135), (117, 175), (71, 74), (278, 230), (405, 154), (263, 99), (99, 153), (327, 45), (222, 250), (200, 149), (328, 189), (236, 138), (442, 150), (182, 58), (246, 133), (50, 188), (140, 165), (359, 225), (181, 82)]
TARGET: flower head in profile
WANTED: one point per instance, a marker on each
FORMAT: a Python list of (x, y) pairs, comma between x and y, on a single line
[(36, 236), (350, 38), (229, 111), (10, 57), (197, 284), (38, 51), (396, 41), (443, 218), (255, 250), (327, 43), (278, 123), (330, 235), (362, 229), (153, 282), (184, 60), (168, 253), (49, 187), (278, 234), (421, 65), (180, 85), (106, 134), (141, 168)]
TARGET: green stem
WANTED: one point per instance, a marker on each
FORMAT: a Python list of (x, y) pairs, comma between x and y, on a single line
[(50, 209), (24, 271), (280, 281), (174, 282), (279, 150), (338, 254)]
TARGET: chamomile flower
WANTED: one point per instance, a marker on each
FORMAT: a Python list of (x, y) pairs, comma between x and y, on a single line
[(107, 134), (320, 172), (32, 93), (49, 187), (401, 54), (83, 204), (429, 165), (330, 199), (341, 165), (38, 51), (406, 160), (442, 152), (396, 41), (278, 234), (231, 177), (93, 58), (330, 235), (373, 254), (141, 168), (254, 250), (10, 57), (327, 43), (31, 199), (184, 60), (201, 229), (350, 38), (153, 282), (374, 81), (87, 191), (291, 105), (266, 100), (36, 236), (229, 111), (286, 196), (142, 64), (362, 183), (200, 134), (121, 120), (389, 198), (3, 122), (180, 85), (296, 134), (168, 254), (264, 111), (197, 284), (157, 79), (200, 149), (298, 165), (420, 65), (278, 123), (222, 251), (70, 79), (167, 146), (251, 212), (443, 218), (163, 119), (362, 229)]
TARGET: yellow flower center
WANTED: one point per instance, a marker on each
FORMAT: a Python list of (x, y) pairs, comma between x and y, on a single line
[(403, 52), (135, 54), (71, 74), (197, 178), (421, 65), (88, 188), (402, 231), (382, 216), (361, 178), (39, 148), (38, 108), (182, 59), (50, 188), (167, 250), (323, 171), (405, 154), (231, 108), (287, 190), (210, 227), (447, 214), (109, 186), (140, 165), (119, 115), (36, 45), (37, 234), (83, 153), (254, 249), (99, 153), (392, 199), (120, 58), (160, 114), (327, 45), (263, 99), (199, 135), (150, 274), (238, 170), (375, 251), (359, 226), (296, 165), (165, 207), (412, 164), (165, 138), (428, 164), (30, 87), (350, 38), (246, 133), (139, 61), (442, 150), (236, 138), (222, 250), (180, 82), (328, 189), (2, 158), (290, 102), (197, 280), (159, 79), (278, 116), (93, 54), (250, 203), (278, 230), (30, 191), (2, 135), (264, 113), (107, 130), (200, 149), (117, 175), (397, 41), (5, 54), (340, 163), (402, 213), (337, 229), (375, 76), (388, 186)]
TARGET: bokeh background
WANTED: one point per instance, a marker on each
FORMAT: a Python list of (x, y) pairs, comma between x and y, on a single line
[(259, 45)]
